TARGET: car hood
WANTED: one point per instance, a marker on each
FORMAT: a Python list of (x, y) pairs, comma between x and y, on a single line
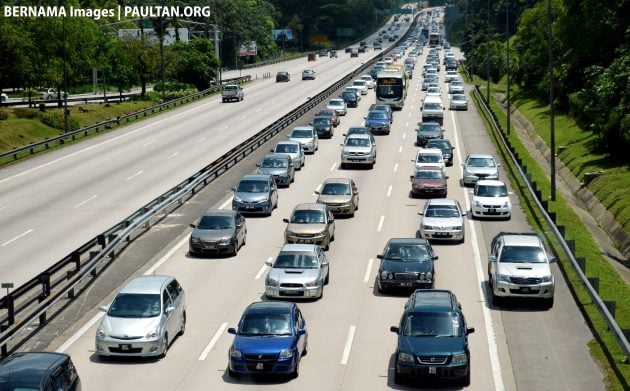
[(525, 269), (334, 199), (131, 327), (329, 107), (273, 170), (396, 266), (303, 140), (294, 155), (299, 276), (252, 197), (376, 121), (442, 221), (430, 133), (431, 346), (262, 344), (482, 170), (491, 200), (430, 182), (357, 149), (322, 126), (212, 234), (306, 228)]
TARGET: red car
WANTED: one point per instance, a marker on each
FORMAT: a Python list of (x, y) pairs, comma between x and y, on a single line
[(332, 114), (428, 182)]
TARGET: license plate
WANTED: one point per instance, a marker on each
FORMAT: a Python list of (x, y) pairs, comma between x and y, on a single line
[(249, 207), (291, 293), (125, 346), (406, 284), (441, 234), (525, 289), (259, 366), (432, 371), (492, 211), (303, 241), (210, 246)]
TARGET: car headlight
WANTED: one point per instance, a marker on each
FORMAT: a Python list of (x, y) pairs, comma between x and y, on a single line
[(477, 204), (457, 228), (312, 283), (289, 233), (385, 275), (460, 358), (428, 227), (195, 240), (506, 204), (272, 282), (263, 200), (428, 276), (237, 199), (468, 173), (101, 333), (152, 334), (548, 278), (235, 353), (286, 353), (405, 357), (225, 241), (503, 277)]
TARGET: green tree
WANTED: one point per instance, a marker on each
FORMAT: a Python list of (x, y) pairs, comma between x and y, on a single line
[(195, 63)]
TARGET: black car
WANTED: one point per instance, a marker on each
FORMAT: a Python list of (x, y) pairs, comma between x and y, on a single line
[(432, 338), (39, 371), (324, 126), (445, 146), (406, 263), (428, 131), (218, 232), (283, 76), (350, 98), (376, 69)]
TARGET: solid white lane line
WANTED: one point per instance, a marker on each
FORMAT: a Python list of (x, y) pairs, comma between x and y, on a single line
[(333, 166), (166, 256), (80, 332), (134, 175), (10, 204), (202, 140), (85, 202), (404, 135), (17, 237), (380, 224), (173, 155), (263, 268), (395, 167), (389, 191), (366, 277), (227, 202), (212, 342), (149, 143), (259, 110), (348, 347), (400, 149), (492, 344), (223, 128)]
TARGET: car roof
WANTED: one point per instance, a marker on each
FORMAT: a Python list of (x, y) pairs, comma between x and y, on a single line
[(146, 284), (522, 239), (299, 247), (255, 177), (429, 151), (27, 368), (439, 140), (274, 307), (442, 201), (431, 300), (291, 142), (432, 99), (276, 156), (219, 212), (419, 241), (428, 168), (303, 127), (310, 206), (490, 182), (345, 181), (479, 156), (359, 135)]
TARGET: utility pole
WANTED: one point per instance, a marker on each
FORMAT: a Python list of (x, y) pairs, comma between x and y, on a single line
[(65, 76), (551, 102)]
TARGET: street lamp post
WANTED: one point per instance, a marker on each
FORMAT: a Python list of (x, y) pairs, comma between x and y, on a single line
[(65, 76), (488, 58), (551, 103)]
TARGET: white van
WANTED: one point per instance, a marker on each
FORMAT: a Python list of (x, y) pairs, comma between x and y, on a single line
[(432, 110)]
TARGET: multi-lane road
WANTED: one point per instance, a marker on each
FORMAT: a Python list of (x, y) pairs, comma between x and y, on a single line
[(521, 347)]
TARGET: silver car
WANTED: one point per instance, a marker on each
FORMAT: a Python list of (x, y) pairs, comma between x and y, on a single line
[(280, 165), (479, 166), (358, 149), (293, 149), (340, 195), (456, 87), (442, 219), (458, 102), (146, 315), (307, 136), (255, 194), (339, 105), (299, 271)]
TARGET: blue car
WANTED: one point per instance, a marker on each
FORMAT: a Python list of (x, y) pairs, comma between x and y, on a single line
[(377, 122), (270, 339)]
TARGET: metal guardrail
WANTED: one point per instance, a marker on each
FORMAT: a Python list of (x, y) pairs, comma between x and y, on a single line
[(36, 147), (42, 296), (558, 231)]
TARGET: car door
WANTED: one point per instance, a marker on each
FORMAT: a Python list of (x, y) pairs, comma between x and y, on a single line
[(169, 318), (273, 188), (331, 223), (299, 323), (355, 194), (324, 264), (241, 229)]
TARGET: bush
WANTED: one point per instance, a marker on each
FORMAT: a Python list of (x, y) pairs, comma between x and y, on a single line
[(4, 114), (55, 120), (25, 113), (173, 86)]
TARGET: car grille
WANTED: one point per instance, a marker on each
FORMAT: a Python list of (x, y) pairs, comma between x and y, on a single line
[(125, 337), (481, 176), (125, 351), (304, 235), (433, 360), (406, 276), (525, 280), (291, 285), (267, 361), (333, 204), (491, 206), (209, 242)]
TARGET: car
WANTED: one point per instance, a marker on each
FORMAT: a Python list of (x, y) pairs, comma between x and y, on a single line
[(310, 223), (385, 108), (376, 69), (146, 315), (358, 149), (298, 271), (362, 49), (307, 136), (432, 110), (445, 146), (283, 76), (456, 87), (293, 149), (323, 53), (49, 94), (429, 82), (350, 98), (442, 219), (4, 98), (348, 50), (378, 122), (409, 71), (458, 102), (323, 126), (278, 165), (450, 65), (232, 92), (359, 130), (340, 195), (406, 263), (271, 338), (433, 91), (332, 113), (378, 45), (354, 53), (308, 74), (520, 267), (428, 181), (339, 105), (356, 91), (428, 131), (218, 231), (450, 76), (361, 85), (479, 166), (491, 199), (432, 338), (429, 157), (369, 81), (33, 371), (255, 194)]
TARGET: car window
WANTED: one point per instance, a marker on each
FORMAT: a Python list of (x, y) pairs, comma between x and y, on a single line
[(307, 217), (336, 189), (429, 158), (286, 148), (296, 261), (257, 324), (166, 300), (251, 186), (522, 254), (481, 162), (135, 305), (407, 253), (443, 211), (358, 142), (432, 325), (432, 106), (301, 133), (274, 162), (429, 174), (173, 289), (490, 191), (216, 222)]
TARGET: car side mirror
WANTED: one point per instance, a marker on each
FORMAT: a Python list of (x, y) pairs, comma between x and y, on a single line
[(498, 164), (492, 258), (552, 259), (379, 256), (341, 145), (470, 330), (310, 123), (193, 226), (169, 310), (301, 332), (268, 263), (435, 257), (231, 330), (285, 220), (316, 192), (394, 329), (324, 263), (271, 150), (103, 308), (234, 189), (411, 177), (421, 213), (258, 165)]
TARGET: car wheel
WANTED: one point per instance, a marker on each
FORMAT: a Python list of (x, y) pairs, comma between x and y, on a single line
[(192, 253), (496, 300), (224, 100), (548, 303), (321, 295), (165, 350), (244, 238), (182, 328), (342, 166), (235, 250), (305, 350), (327, 247)]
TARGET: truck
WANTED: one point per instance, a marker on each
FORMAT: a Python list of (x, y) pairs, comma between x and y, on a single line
[(232, 92)]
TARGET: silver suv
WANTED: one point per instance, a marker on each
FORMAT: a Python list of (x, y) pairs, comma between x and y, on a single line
[(519, 266), (299, 271), (358, 149)]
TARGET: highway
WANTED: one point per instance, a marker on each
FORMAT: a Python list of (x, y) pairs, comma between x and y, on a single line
[(517, 347)]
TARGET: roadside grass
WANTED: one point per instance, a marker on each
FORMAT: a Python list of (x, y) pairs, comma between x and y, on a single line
[(604, 348)]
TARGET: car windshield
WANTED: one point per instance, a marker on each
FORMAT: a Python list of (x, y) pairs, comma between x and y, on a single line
[(432, 106), (522, 254), (295, 261), (321, 121), (357, 131), (377, 115), (249, 186), (135, 305), (433, 90), (480, 162), (443, 211), (438, 144), (407, 253), (274, 162), (349, 95), (459, 98), (359, 83), (457, 83), (336, 102), (357, 142), (432, 325), (307, 217), (327, 113), (257, 324), (491, 191), (216, 222), (230, 88), (286, 148), (302, 133), (429, 174), (430, 128), (429, 158), (336, 189)]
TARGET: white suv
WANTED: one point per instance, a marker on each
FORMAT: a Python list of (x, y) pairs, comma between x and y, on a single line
[(519, 266)]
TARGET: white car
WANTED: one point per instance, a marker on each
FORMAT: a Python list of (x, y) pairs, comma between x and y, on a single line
[(368, 79), (491, 198), (434, 91), (3, 97), (456, 87), (450, 76), (361, 85), (358, 149), (429, 157), (458, 102), (339, 105), (48, 94), (307, 136), (442, 219)]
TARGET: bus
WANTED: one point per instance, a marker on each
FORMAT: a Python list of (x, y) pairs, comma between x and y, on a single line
[(391, 86), (434, 40)]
